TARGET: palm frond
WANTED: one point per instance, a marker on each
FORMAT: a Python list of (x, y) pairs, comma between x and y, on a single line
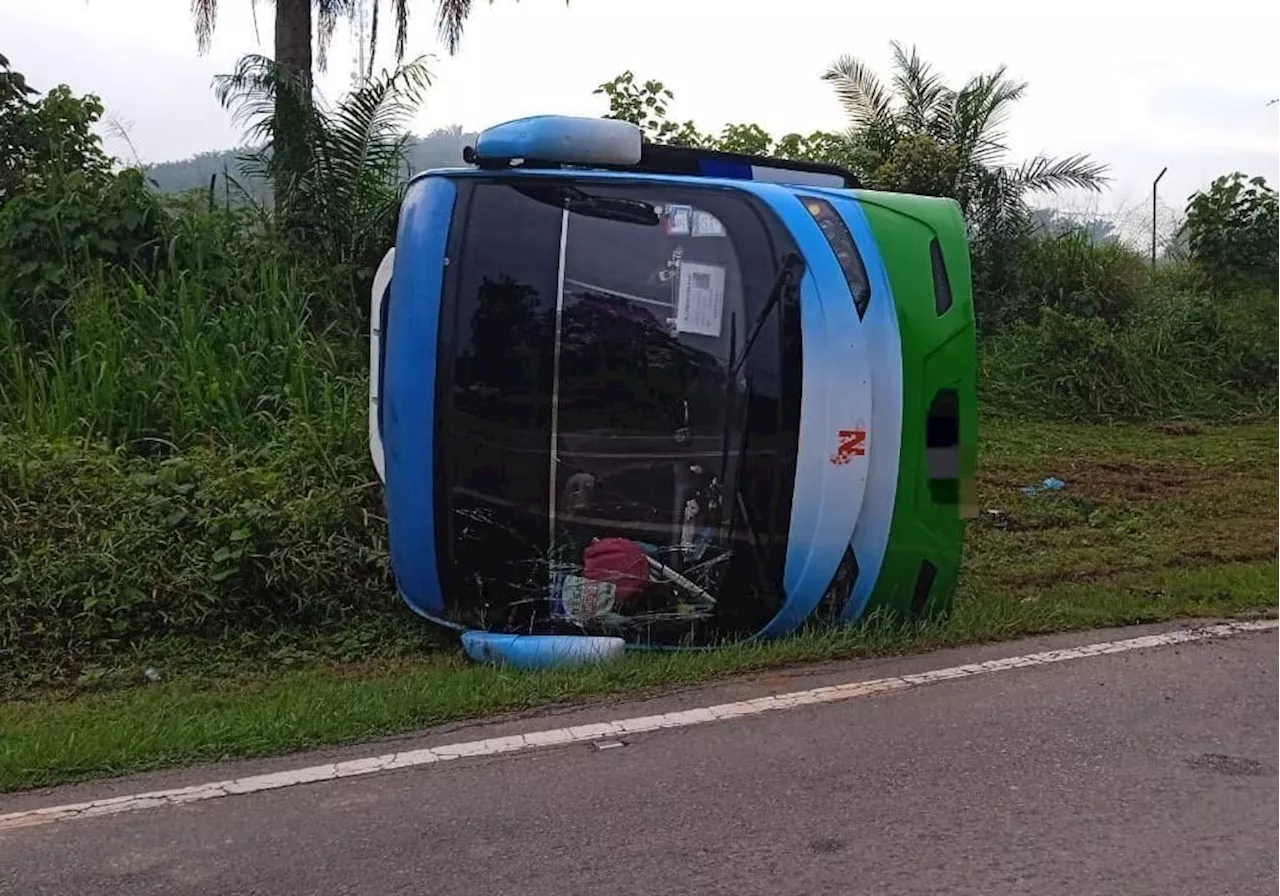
[(359, 165), (981, 108), (256, 164), (380, 107), (996, 209), (400, 8), (451, 17), (941, 124), (860, 92), (326, 23), (205, 13), (922, 90), (1047, 175), (249, 93), (268, 99)]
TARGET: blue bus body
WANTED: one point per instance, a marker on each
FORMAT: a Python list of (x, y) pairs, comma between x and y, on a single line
[(835, 444), (629, 407)]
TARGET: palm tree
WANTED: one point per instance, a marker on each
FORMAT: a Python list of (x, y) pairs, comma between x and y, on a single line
[(295, 27), (343, 198), (927, 137), (297, 24)]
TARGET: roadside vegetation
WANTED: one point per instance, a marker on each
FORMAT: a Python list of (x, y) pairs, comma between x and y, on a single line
[(1156, 523), (192, 550)]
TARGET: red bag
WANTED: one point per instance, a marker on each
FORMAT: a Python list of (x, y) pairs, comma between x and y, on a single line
[(617, 560)]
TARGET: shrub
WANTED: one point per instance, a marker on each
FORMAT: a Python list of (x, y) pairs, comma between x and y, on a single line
[(1180, 355), (60, 203), (1232, 229), (50, 232), (101, 551), (1073, 275), (52, 135)]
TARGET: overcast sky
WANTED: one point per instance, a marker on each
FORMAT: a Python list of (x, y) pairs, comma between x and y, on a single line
[(1135, 86)]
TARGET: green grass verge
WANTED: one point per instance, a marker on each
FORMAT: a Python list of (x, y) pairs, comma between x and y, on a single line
[(1155, 524)]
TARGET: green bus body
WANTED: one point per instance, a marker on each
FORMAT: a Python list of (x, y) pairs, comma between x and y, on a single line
[(936, 473)]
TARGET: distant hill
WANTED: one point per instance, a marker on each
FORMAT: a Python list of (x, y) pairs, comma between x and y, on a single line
[(441, 148)]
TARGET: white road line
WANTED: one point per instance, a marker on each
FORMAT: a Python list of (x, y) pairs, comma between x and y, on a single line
[(621, 727)]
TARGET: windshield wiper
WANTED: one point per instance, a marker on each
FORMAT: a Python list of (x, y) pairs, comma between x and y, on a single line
[(578, 201), (790, 269)]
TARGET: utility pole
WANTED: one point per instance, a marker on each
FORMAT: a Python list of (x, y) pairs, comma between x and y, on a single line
[(1154, 184)]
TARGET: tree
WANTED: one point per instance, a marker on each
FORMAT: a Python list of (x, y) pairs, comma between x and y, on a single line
[(300, 22), (293, 37), (61, 204), (926, 137), (297, 24), (645, 105), (16, 130), (44, 136), (1231, 229)]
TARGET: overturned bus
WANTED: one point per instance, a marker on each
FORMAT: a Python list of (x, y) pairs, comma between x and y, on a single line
[(634, 395)]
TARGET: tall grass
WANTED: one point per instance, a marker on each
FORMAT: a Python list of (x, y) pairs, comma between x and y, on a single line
[(183, 457), (1089, 333), (140, 358)]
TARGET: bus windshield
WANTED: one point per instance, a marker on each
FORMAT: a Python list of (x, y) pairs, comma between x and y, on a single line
[(598, 473)]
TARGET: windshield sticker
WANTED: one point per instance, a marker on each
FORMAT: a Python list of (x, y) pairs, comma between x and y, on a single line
[(700, 299), (707, 224), (678, 219)]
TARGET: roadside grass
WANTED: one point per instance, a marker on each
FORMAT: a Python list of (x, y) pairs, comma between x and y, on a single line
[(1155, 523)]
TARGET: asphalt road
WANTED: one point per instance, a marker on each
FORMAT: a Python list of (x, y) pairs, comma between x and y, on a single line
[(1151, 772)]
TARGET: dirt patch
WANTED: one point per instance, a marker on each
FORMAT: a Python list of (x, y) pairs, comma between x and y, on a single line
[(1048, 578), (994, 481), (826, 847), (1107, 480), (1213, 556), (1237, 542), (1178, 428), (1005, 521), (1121, 480)]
